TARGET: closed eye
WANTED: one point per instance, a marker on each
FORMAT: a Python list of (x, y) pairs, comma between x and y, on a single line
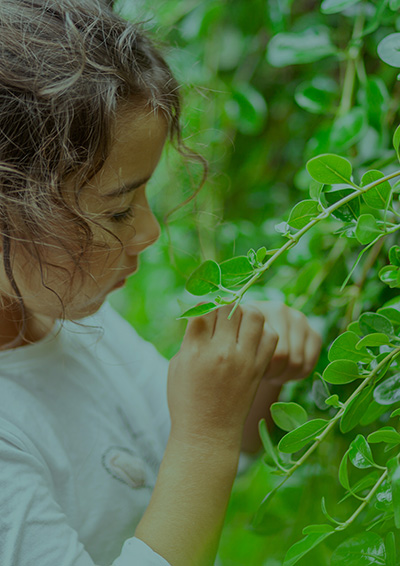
[(124, 215)]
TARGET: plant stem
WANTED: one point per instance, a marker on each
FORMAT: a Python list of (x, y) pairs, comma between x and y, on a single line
[(364, 503)]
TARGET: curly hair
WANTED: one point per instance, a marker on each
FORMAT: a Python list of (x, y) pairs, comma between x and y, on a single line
[(66, 67)]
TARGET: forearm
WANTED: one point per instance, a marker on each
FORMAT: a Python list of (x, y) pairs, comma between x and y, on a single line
[(267, 394), (185, 516)]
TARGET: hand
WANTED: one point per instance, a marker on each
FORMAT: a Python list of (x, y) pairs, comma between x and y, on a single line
[(214, 377), (298, 347)]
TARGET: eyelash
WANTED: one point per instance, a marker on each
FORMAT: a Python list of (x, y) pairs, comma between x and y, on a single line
[(123, 216)]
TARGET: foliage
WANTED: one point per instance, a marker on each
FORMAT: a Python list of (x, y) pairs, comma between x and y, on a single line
[(308, 93)]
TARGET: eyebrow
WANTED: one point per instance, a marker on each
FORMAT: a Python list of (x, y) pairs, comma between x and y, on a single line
[(125, 189)]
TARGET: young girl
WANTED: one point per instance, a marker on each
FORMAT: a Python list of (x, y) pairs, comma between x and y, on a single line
[(107, 455)]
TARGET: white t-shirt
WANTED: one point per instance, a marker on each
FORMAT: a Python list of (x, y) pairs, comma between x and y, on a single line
[(84, 424)]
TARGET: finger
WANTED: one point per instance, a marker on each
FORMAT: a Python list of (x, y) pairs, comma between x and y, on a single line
[(298, 335), (251, 329), (312, 351), (280, 358), (225, 326), (266, 348), (200, 327)]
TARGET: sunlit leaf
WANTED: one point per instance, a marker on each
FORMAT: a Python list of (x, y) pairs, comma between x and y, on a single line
[(371, 323), (372, 340), (389, 49), (295, 48), (360, 454), (300, 437), (288, 416), (341, 371), (344, 348), (363, 549), (367, 229), (329, 169), (235, 271), (199, 310), (388, 392), (394, 478), (302, 213), (335, 6), (205, 279), (385, 434), (356, 409), (301, 548), (377, 197)]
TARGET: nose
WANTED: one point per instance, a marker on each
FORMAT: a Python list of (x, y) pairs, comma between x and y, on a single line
[(146, 231)]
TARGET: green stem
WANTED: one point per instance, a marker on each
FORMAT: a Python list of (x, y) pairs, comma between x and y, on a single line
[(339, 414), (367, 499), (294, 239)]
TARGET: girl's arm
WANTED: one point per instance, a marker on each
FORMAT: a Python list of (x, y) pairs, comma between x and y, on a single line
[(212, 382)]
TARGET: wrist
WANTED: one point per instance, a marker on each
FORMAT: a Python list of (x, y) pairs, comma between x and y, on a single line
[(207, 443)]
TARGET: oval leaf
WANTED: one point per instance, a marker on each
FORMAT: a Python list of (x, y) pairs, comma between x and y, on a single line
[(199, 310), (385, 434), (205, 279), (341, 371), (288, 416), (388, 392), (367, 229), (373, 340), (344, 348), (363, 549), (297, 439), (302, 213), (371, 323), (329, 169), (235, 271), (360, 454), (377, 197)]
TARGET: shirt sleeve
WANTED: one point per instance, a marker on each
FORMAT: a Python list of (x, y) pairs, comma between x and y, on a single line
[(33, 527)]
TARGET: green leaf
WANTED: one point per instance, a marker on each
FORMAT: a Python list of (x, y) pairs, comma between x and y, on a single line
[(390, 274), (347, 212), (395, 413), (300, 437), (269, 448), (379, 196), (389, 49), (367, 229), (394, 255), (296, 48), (311, 529), (396, 141), (367, 481), (329, 169), (199, 310), (317, 95), (344, 348), (385, 434), (343, 471), (360, 454), (333, 401), (388, 392), (372, 413), (371, 322), (288, 416), (354, 327), (302, 213), (363, 549), (394, 5), (348, 129), (355, 410), (205, 279), (335, 6), (236, 271), (341, 371), (372, 340), (394, 478), (261, 254), (391, 314), (302, 547), (390, 545)]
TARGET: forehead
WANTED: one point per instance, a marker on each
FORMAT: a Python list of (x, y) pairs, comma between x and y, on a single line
[(135, 151)]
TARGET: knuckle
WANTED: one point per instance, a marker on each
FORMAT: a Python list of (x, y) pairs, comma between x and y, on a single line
[(253, 313)]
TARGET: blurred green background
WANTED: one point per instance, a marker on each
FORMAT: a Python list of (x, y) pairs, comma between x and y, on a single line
[(267, 85)]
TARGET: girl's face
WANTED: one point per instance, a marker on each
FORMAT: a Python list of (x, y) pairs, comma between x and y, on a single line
[(134, 155)]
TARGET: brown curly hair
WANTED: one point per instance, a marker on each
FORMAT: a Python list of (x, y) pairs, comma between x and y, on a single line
[(66, 67)]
